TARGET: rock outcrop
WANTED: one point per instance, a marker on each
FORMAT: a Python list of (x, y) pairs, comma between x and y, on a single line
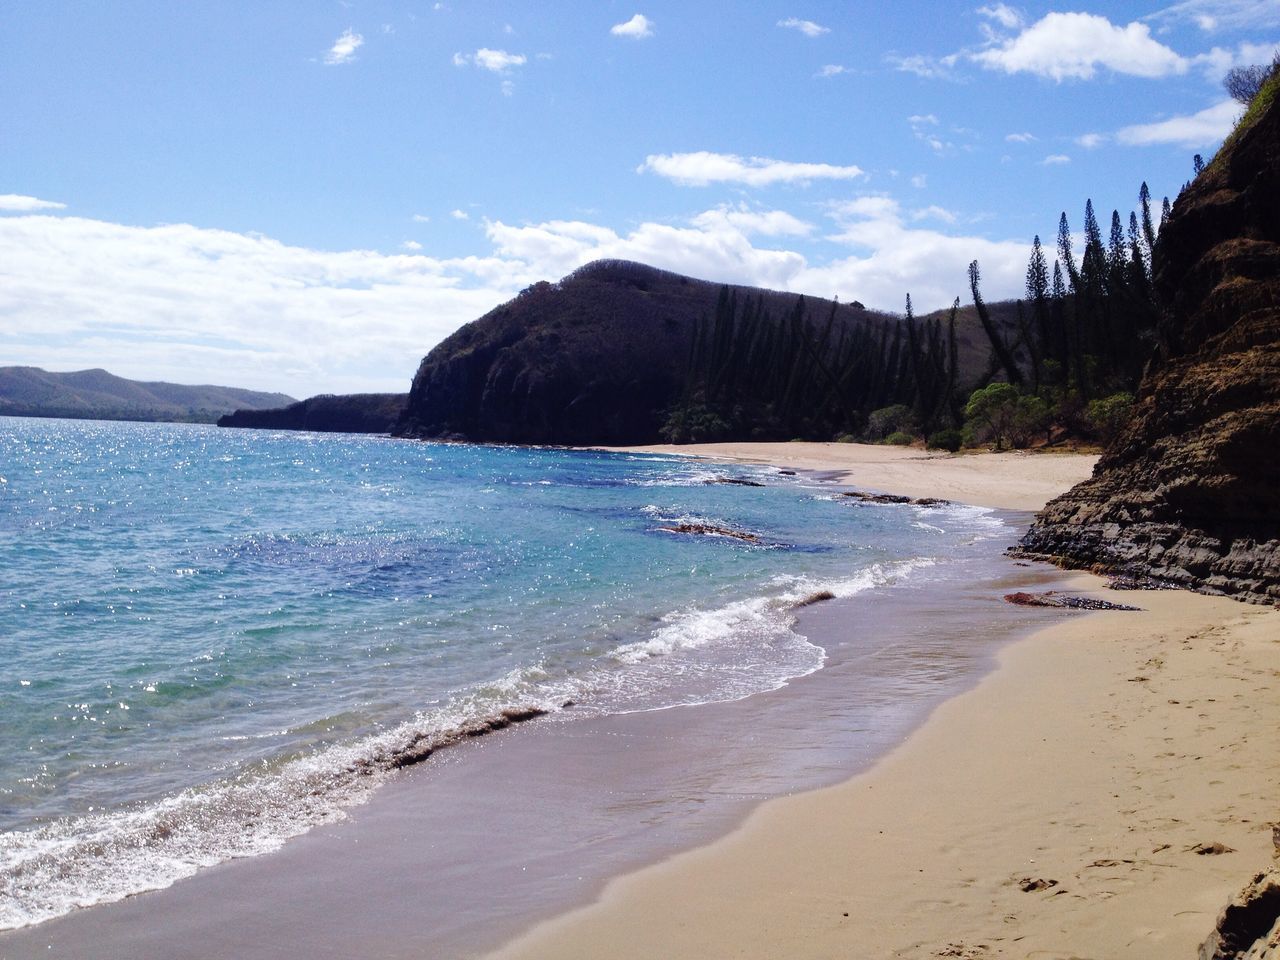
[(346, 413), (1190, 491), (1249, 926), (599, 358)]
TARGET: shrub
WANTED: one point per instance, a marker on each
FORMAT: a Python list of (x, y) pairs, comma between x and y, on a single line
[(899, 439), (990, 412), (1109, 415), (846, 438), (898, 418), (950, 440)]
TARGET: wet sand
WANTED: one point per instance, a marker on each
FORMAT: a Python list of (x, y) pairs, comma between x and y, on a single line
[(1103, 793), (462, 853)]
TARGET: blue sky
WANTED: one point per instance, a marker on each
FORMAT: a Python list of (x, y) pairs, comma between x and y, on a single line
[(307, 196)]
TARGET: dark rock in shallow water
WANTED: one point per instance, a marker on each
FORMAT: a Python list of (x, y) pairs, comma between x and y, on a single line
[(711, 530), (1052, 599), (819, 596), (865, 497), (349, 413), (734, 481), (1189, 493)]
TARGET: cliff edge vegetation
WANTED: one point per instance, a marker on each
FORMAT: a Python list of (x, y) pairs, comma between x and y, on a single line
[(1189, 490)]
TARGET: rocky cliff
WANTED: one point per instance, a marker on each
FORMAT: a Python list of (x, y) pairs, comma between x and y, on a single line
[(598, 358), (349, 413), (1190, 491)]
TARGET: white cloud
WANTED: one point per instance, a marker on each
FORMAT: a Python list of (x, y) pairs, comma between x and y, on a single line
[(173, 302), (1055, 160), (1091, 141), (411, 245), (768, 223), (497, 61), (807, 27), (459, 214), (461, 60), (344, 48), (638, 27), (934, 212), (702, 168), (1073, 45), (421, 218), (831, 70), (17, 203), (1204, 129), (1002, 14), (924, 128), (1020, 138), (920, 181), (895, 260), (1218, 61)]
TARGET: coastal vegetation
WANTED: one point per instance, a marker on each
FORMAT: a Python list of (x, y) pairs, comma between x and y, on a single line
[(1061, 363)]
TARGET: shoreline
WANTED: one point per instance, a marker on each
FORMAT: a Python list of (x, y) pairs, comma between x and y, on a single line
[(1005, 481), (372, 885), (1104, 791)]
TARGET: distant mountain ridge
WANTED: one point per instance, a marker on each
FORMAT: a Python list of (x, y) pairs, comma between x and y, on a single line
[(99, 395)]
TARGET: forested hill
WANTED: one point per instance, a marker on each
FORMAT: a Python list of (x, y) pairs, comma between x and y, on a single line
[(619, 352), (98, 395)]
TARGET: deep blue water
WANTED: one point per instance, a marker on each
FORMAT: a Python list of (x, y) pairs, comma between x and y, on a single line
[(213, 639)]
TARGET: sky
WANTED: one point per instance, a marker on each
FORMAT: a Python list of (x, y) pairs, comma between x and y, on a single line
[(307, 196)]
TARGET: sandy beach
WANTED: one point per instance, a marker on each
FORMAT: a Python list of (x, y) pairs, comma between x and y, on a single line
[(1103, 793), (1011, 481)]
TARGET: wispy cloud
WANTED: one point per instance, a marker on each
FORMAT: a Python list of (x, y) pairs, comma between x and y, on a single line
[(421, 218), (14, 202), (831, 70), (1091, 141), (1020, 138), (934, 212), (702, 168), (807, 27), (344, 48), (1002, 14), (639, 27), (459, 214), (1055, 160), (1204, 129), (1064, 46), (931, 68), (1214, 15), (411, 245)]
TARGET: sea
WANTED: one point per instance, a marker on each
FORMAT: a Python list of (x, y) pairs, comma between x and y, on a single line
[(212, 641)]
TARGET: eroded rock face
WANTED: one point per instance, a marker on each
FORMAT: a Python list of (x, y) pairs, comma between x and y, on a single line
[(1190, 492), (1249, 926)]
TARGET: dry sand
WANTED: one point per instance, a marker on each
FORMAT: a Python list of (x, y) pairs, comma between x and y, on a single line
[(1014, 481), (1059, 809)]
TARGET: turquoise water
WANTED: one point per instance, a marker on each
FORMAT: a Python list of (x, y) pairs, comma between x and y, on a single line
[(213, 640)]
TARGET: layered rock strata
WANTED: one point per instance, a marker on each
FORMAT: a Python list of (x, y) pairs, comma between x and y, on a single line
[(1190, 491)]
